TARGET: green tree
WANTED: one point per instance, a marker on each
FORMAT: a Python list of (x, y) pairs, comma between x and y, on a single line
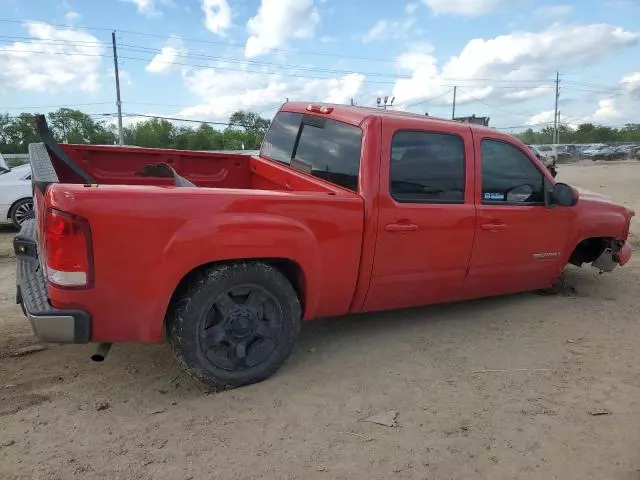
[(73, 126), (18, 132), (152, 133)]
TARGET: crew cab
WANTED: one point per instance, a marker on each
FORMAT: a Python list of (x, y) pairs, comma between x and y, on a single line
[(344, 210)]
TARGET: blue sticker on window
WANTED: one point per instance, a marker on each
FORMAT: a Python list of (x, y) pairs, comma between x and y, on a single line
[(494, 196)]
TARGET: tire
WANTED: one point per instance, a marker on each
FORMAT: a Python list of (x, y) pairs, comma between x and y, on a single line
[(234, 324), (21, 211)]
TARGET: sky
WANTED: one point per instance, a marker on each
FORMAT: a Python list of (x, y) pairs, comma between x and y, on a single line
[(205, 59)]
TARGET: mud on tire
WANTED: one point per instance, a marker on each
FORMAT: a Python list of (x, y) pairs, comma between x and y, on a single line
[(234, 324)]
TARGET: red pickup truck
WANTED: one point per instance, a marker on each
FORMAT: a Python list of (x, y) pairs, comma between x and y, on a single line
[(343, 210)]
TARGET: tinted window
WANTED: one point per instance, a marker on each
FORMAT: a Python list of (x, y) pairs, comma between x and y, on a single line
[(427, 167), (329, 150), (280, 139), (508, 175), (326, 149)]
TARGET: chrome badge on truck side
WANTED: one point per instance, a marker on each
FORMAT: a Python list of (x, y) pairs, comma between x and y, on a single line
[(542, 255)]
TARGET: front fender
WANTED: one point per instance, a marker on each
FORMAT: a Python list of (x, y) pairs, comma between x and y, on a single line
[(234, 237), (612, 224)]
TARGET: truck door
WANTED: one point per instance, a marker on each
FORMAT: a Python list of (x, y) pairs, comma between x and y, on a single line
[(519, 243), (426, 213)]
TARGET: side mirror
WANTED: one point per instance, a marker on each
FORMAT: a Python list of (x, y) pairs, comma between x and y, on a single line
[(563, 195)]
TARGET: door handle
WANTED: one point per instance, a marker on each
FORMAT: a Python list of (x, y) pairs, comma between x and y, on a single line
[(401, 227), (493, 227)]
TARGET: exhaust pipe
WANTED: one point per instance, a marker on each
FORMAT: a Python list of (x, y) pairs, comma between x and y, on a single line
[(101, 352)]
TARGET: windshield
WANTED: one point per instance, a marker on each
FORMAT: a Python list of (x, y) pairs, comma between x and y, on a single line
[(325, 148), (544, 148)]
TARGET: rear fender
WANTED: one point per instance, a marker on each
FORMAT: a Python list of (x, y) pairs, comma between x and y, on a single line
[(227, 237)]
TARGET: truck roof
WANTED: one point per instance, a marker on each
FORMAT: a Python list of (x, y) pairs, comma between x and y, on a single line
[(355, 114)]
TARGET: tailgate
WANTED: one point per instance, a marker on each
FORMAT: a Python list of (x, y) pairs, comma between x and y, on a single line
[(49, 324)]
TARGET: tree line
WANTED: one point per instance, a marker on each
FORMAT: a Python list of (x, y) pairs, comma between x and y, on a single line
[(584, 133), (244, 131)]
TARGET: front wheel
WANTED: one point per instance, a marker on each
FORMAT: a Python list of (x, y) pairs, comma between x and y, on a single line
[(234, 324)]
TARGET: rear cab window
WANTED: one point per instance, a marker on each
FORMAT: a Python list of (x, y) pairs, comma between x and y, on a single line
[(320, 146)]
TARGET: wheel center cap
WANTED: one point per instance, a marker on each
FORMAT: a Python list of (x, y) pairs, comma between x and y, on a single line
[(241, 323)]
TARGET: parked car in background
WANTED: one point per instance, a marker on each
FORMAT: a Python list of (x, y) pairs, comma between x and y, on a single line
[(598, 153), (16, 203), (549, 162), (547, 151)]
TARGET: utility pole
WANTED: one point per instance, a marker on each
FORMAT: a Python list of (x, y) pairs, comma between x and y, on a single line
[(453, 112), (558, 130), (555, 116), (118, 102)]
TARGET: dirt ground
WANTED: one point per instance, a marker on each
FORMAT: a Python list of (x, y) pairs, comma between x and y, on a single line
[(524, 386)]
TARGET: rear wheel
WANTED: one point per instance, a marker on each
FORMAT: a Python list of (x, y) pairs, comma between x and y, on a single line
[(20, 211), (234, 324)]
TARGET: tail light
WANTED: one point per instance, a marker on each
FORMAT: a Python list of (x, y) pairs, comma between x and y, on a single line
[(67, 250)]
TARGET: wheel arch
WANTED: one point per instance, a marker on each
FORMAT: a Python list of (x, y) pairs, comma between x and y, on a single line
[(589, 249), (290, 269), (13, 206)]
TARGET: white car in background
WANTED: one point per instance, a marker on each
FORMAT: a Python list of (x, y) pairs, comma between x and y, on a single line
[(16, 202)]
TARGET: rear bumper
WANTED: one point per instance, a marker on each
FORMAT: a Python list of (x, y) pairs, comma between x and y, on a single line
[(49, 324)]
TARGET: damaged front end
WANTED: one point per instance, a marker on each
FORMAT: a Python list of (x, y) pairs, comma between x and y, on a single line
[(618, 253), (604, 254)]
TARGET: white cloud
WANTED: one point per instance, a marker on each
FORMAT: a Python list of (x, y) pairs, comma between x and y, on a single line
[(277, 21), (541, 118), (72, 16), (607, 111), (385, 29), (217, 16), (469, 8), (221, 93), (150, 8), (529, 93), (410, 8), (341, 90), (163, 61), (631, 82), (70, 59), (527, 57), (553, 12), (378, 31)]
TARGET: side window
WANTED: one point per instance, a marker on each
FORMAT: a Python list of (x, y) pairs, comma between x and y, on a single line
[(427, 167), (280, 139), (509, 176)]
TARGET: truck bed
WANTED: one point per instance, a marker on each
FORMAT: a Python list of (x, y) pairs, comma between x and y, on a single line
[(114, 165), (148, 235)]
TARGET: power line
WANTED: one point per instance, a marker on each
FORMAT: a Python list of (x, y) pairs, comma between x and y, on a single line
[(474, 99), (141, 49), (429, 99), (236, 45), (174, 119), (56, 106)]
